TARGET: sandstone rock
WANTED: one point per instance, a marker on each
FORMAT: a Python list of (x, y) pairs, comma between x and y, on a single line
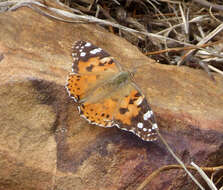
[(44, 144)]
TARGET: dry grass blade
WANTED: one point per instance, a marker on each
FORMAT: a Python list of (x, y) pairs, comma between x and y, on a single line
[(116, 2), (67, 7), (204, 176), (201, 47), (84, 19), (194, 20), (180, 162), (206, 68), (203, 41), (208, 4), (4, 6), (185, 21), (215, 69), (219, 180)]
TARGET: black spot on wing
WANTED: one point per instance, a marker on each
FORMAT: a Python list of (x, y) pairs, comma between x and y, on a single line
[(137, 94), (123, 110), (102, 64), (90, 68), (131, 101)]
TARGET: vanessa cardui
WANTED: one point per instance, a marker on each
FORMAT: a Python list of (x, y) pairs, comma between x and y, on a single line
[(107, 95)]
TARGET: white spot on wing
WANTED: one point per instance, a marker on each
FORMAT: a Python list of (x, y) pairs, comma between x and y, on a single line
[(88, 44), (139, 101), (144, 129), (94, 51), (140, 125), (82, 54), (116, 125), (124, 129), (84, 116), (147, 115), (154, 126), (79, 109), (131, 130)]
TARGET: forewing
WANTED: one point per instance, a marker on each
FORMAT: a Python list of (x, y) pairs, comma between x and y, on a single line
[(89, 58), (92, 66)]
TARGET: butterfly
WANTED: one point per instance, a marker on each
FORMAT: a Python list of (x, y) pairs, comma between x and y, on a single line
[(106, 94)]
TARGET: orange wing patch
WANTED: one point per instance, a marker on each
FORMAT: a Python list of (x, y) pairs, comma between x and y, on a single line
[(89, 58), (129, 107), (95, 64), (78, 84), (99, 113)]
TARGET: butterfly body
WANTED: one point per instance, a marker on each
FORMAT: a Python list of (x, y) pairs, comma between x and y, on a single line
[(107, 95)]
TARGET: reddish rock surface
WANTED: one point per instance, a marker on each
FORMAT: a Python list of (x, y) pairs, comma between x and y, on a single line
[(44, 144)]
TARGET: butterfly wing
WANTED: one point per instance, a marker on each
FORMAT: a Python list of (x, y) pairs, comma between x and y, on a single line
[(126, 108), (91, 67), (105, 95)]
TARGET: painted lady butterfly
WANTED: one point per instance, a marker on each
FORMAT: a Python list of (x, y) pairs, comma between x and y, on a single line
[(106, 95)]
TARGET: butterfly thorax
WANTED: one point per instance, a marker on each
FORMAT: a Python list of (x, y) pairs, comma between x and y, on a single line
[(120, 79), (110, 86)]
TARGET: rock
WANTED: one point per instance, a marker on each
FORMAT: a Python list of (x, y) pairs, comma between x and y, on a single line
[(44, 144)]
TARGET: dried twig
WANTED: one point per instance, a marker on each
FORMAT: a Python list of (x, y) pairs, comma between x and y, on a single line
[(179, 161), (201, 47), (215, 69), (203, 41), (208, 5), (83, 19), (170, 167)]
